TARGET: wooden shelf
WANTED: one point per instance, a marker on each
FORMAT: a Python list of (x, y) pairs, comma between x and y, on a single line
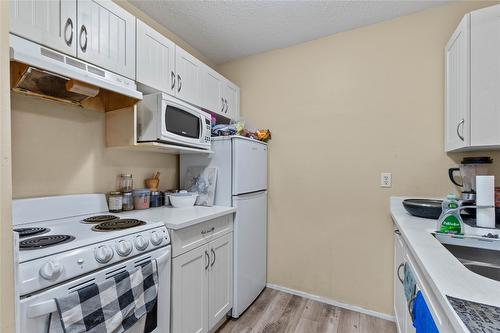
[(157, 147)]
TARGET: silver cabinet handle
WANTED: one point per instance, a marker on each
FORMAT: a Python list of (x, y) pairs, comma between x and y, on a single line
[(69, 23), (207, 258), (397, 232), (227, 106), (223, 105), (213, 262), (172, 78), (410, 307), (461, 122), (83, 46), (398, 270), (179, 83)]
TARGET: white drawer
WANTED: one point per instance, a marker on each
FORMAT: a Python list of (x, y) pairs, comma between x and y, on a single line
[(189, 238)]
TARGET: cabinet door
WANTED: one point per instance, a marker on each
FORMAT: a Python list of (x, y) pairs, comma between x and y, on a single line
[(399, 296), (106, 36), (220, 278), (51, 23), (232, 98), (155, 59), (485, 76), (190, 291), (457, 88), (211, 90), (188, 70)]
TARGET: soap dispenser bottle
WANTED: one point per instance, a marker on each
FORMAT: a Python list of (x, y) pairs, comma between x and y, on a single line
[(450, 221)]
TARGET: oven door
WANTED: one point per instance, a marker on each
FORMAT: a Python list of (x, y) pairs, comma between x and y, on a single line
[(182, 123), (35, 310)]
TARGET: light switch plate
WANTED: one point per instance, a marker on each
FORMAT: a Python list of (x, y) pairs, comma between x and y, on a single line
[(386, 179)]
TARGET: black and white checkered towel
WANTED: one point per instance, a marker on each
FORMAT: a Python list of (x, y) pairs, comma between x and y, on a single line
[(113, 306)]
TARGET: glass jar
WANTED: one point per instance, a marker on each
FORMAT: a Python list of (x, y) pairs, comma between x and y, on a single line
[(115, 202), (126, 183), (155, 199), (128, 201), (141, 198)]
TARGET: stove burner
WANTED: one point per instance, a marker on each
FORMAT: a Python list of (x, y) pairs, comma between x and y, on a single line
[(118, 224), (44, 241), (100, 219), (25, 232)]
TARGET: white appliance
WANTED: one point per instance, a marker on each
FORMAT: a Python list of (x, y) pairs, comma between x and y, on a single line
[(59, 253), (61, 66), (241, 183), (163, 118)]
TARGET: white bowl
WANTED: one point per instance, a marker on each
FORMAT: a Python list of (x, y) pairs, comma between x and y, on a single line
[(183, 199)]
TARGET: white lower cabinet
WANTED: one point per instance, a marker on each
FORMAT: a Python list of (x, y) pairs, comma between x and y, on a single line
[(402, 306), (202, 279)]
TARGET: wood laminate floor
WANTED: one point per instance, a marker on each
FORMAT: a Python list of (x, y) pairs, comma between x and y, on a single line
[(278, 312)]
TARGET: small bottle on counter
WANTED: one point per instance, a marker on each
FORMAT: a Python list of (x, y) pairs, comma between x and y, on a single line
[(115, 202), (127, 201)]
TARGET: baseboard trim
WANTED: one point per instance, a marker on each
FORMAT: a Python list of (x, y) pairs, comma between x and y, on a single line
[(332, 302)]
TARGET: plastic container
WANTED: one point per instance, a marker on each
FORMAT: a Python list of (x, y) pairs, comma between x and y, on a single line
[(115, 202), (450, 221), (141, 198), (183, 199), (126, 183), (155, 199), (128, 201)]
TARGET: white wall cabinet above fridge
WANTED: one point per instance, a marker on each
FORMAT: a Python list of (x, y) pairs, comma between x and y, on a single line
[(472, 64), (99, 32), (219, 95)]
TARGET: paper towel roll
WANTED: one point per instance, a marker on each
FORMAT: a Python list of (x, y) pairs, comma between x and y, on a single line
[(485, 196)]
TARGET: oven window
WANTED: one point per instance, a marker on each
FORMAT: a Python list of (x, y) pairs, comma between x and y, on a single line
[(182, 123)]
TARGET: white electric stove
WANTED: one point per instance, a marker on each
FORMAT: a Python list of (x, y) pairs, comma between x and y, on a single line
[(68, 242)]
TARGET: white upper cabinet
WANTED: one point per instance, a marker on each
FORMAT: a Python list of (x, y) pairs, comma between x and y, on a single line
[(51, 23), (211, 90), (188, 70), (485, 77), (106, 36), (457, 112), (232, 100), (472, 101), (155, 59)]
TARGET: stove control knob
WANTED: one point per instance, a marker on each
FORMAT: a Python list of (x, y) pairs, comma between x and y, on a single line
[(123, 248), (141, 243), (103, 254), (156, 238), (51, 270)]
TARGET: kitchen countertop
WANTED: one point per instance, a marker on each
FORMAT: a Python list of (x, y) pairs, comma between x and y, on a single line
[(179, 218), (444, 273)]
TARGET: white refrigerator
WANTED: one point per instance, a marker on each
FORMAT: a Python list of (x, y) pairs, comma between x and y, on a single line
[(241, 183)]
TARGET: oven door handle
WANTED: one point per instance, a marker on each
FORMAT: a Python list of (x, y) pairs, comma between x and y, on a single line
[(42, 308), (163, 259)]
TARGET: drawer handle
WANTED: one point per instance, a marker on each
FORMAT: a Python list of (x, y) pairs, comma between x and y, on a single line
[(204, 232), (399, 275)]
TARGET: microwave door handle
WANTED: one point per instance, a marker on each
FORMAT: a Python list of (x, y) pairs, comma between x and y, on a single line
[(42, 309)]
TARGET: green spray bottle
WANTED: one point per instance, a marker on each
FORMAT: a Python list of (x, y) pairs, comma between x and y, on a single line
[(450, 221)]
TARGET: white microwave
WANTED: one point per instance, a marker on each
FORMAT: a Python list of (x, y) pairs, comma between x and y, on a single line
[(166, 119)]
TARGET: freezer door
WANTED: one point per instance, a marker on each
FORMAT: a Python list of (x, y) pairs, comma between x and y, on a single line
[(249, 166), (250, 249)]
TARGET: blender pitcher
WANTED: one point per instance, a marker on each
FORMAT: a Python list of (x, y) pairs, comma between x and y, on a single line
[(469, 168)]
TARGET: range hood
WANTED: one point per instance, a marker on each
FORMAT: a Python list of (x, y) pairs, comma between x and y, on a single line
[(43, 72)]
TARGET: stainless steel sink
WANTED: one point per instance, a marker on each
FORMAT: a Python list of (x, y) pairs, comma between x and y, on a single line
[(482, 257)]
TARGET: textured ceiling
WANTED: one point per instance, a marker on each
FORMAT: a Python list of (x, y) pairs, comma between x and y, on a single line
[(227, 30)]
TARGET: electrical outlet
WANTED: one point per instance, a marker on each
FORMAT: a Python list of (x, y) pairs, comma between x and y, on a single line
[(386, 179)]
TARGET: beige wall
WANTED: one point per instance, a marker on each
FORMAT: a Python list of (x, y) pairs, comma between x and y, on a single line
[(343, 109), (6, 257), (60, 149)]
